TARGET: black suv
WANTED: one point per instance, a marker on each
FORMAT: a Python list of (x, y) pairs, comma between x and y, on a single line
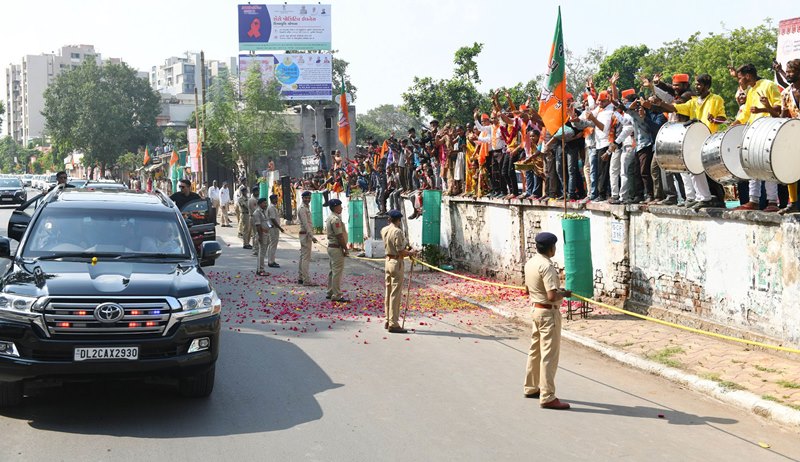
[(107, 284)]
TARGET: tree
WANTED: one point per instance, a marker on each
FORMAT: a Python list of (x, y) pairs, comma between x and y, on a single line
[(2, 112), (129, 161), (102, 111), (247, 132), (15, 158), (581, 67), (384, 120), (178, 138), (627, 61)]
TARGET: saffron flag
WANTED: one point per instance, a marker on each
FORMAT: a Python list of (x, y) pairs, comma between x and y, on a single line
[(344, 119), (146, 156), (174, 159), (554, 95)]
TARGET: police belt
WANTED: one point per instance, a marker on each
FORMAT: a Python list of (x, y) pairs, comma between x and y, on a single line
[(545, 306), (333, 246)]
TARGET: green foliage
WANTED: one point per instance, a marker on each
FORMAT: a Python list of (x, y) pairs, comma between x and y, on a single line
[(2, 112), (10, 150), (102, 111), (384, 120), (581, 67), (177, 138), (433, 255), (627, 61), (247, 133), (130, 161), (466, 67)]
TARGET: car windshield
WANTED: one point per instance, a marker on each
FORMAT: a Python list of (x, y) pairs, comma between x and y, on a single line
[(102, 232), (10, 183)]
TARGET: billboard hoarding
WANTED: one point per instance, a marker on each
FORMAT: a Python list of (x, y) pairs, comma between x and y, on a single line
[(788, 41), (285, 27), (303, 76)]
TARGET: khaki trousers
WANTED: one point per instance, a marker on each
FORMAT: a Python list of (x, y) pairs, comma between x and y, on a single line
[(392, 300), (245, 228), (223, 214), (335, 274), (256, 240), (215, 213), (543, 354), (263, 244), (272, 248), (305, 257)]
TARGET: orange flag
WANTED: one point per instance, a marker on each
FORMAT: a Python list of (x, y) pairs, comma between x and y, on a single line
[(146, 156), (174, 159), (554, 96), (344, 119)]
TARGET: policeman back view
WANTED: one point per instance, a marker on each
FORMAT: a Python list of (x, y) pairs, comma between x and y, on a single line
[(337, 250)]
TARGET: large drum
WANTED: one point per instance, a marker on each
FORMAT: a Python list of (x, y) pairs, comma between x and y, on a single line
[(721, 155), (678, 147), (770, 150)]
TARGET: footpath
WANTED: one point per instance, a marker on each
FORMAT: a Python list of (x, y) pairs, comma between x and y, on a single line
[(754, 379)]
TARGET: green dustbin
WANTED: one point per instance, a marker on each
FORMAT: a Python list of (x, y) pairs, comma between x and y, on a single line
[(431, 216), (578, 256)]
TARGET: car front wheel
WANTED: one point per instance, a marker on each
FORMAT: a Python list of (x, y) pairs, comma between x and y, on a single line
[(198, 386), (10, 394)]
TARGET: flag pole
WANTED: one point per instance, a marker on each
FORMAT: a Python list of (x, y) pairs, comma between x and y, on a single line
[(564, 179)]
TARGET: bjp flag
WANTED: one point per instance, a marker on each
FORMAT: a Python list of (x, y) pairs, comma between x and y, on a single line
[(344, 119), (146, 156), (174, 159), (554, 95)]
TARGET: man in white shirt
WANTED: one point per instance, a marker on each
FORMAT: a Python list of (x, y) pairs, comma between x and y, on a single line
[(224, 200), (213, 194), (492, 133), (601, 117)]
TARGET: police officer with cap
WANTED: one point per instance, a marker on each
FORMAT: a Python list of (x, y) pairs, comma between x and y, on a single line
[(394, 241), (337, 250), (306, 238), (273, 218), (244, 217), (252, 206), (542, 281), (261, 225)]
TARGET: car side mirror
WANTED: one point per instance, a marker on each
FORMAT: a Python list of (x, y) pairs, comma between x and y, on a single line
[(210, 250), (5, 247)]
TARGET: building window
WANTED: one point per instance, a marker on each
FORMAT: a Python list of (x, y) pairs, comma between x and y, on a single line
[(329, 123), (75, 55)]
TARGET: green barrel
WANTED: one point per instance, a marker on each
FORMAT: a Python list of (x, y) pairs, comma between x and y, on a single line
[(316, 210), (355, 224), (578, 257), (263, 190), (431, 216)]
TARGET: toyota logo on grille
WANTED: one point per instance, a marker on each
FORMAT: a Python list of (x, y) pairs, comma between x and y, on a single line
[(109, 312)]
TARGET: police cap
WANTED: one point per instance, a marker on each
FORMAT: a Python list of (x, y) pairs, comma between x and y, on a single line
[(334, 202), (273, 196), (305, 194), (261, 200), (395, 214), (548, 239)]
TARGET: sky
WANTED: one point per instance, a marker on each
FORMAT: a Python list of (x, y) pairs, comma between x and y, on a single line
[(386, 42)]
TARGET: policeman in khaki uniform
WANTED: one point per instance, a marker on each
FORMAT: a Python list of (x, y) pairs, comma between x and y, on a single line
[(394, 241), (262, 225), (306, 238), (337, 250), (541, 279), (274, 231), (252, 206), (244, 218)]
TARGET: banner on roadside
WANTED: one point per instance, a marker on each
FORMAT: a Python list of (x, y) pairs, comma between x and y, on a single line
[(284, 27), (788, 41), (303, 76)]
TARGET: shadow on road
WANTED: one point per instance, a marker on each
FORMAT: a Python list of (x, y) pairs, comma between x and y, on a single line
[(670, 415), (262, 385), (464, 334)]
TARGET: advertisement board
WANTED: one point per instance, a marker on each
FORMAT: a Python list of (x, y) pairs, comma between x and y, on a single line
[(788, 41), (303, 76), (284, 27)]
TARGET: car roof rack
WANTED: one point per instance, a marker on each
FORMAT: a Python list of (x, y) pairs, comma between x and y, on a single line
[(164, 198), (55, 193)]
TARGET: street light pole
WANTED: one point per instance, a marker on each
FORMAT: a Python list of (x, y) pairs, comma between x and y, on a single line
[(316, 134)]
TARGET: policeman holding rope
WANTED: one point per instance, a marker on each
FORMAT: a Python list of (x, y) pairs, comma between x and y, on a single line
[(337, 250), (395, 243)]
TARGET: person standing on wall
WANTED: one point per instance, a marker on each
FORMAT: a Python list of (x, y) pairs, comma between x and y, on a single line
[(306, 238), (274, 230), (337, 250), (541, 279)]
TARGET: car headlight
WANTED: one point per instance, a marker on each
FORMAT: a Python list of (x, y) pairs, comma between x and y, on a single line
[(198, 306), (11, 302)]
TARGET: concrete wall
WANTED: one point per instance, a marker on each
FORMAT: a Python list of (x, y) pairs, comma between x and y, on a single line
[(728, 271)]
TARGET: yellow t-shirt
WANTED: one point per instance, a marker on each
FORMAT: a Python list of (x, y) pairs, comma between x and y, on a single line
[(712, 105), (763, 87)]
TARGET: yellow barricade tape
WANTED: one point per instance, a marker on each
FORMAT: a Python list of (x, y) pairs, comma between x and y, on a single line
[(629, 313)]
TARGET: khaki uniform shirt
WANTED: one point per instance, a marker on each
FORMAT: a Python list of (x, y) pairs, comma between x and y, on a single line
[(393, 240), (272, 214), (334, 228), (304, 216), (541, 275), (252, 205), (243, 206), (260, 219)]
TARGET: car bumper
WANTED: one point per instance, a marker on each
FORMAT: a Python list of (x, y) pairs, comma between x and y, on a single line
[(42, 358)]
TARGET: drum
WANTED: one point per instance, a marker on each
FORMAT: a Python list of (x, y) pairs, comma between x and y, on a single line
[(678, 147), (769, 150), (721, 155)]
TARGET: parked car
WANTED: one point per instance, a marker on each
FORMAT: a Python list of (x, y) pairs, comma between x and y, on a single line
[(107, 285), (12, 191)]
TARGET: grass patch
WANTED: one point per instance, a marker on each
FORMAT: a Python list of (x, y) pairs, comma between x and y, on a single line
[(665, 356), (714, 377), (765, 369), (770, 398), (796, 407), (787, 384)]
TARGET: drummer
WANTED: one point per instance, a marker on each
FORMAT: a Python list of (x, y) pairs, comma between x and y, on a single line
[(708, 108), (790, 108), (762, 96)]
